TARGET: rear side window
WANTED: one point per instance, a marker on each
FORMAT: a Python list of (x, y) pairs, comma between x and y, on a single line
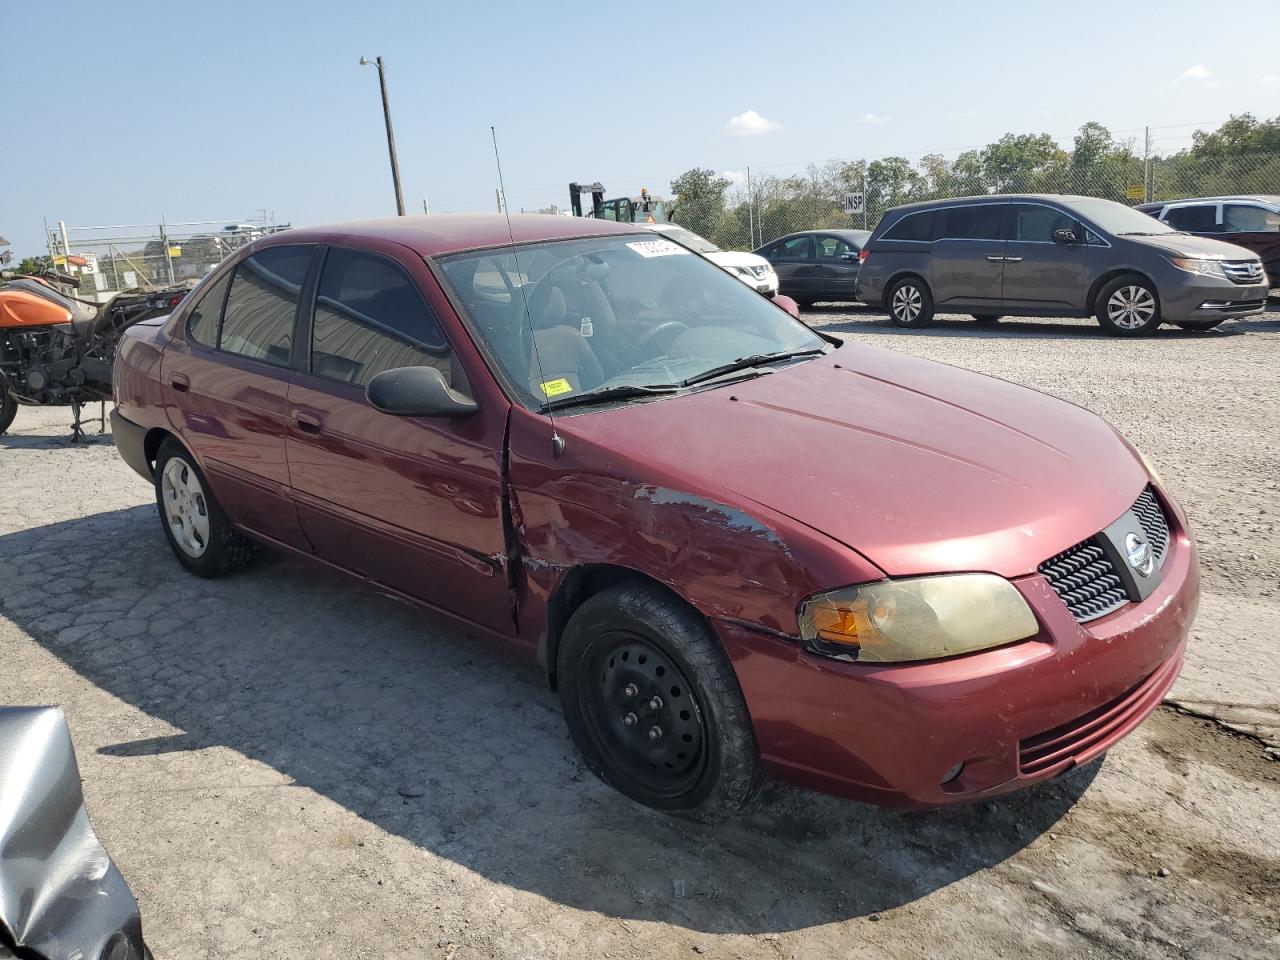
[(1035, 223), (979, 222), (1247, 218), (263, 302), (1202, 218), (202, 321), (914, 226), (371, 317)]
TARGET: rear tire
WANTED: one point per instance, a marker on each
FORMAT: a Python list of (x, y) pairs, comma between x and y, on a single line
[(654, 705), (8, 409), (1199, 324), (986, 317), (910, 303), (1128, 306), (200, 534)]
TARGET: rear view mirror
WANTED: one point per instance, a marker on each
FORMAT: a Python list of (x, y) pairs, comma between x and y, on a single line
[(416, 392), (1065, 235)]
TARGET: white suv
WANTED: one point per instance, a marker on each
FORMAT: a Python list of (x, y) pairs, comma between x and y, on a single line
[(756, 272)]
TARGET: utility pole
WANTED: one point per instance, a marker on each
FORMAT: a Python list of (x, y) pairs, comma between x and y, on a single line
[(1147, 190), (751, 213), (391, 136), (497, 195)]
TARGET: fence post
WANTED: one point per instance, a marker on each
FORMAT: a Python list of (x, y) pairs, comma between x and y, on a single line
[(168, 260), (1146, 165), (751, 214)]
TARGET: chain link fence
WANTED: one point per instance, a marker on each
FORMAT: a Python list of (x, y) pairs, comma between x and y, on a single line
[(111, 259), (765, 207)]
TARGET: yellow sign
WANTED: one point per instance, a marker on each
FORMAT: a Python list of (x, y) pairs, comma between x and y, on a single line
[(1135, 192), (553, 388), (175, 251)]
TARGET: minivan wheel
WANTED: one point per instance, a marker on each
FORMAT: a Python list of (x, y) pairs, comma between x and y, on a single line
[(8, 409), (653, 704), (1128, 306), (985, 317), (200, 534), (910, 303)]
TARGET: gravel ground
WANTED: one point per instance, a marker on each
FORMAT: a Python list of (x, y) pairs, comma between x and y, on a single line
[(285, 764)]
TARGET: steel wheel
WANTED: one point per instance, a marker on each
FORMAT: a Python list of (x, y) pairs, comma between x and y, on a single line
[(185, 509), (643, 715), (907, 304), (1131, 307)]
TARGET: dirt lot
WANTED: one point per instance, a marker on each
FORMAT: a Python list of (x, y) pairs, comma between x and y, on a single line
[(286, 765)]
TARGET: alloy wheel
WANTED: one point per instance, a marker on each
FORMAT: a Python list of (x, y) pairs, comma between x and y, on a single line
[(643, 715), (907, 303), (185, 509), (1131, 307)]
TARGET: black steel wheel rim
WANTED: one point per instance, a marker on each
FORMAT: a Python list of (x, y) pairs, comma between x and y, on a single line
[(643, 715)]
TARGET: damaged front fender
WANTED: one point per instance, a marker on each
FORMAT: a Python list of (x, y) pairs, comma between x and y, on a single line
[(61, 897)]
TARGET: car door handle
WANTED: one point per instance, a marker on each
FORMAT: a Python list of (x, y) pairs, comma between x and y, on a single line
[(180, 382), (997, 259), (308, 422), (1012, 259)]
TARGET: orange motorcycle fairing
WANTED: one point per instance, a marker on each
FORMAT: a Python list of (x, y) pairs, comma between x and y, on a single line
[(18, 308)]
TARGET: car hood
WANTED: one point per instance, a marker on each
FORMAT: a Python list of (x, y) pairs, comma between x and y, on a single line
[(733, 258), (1186, 245), (918, 466)]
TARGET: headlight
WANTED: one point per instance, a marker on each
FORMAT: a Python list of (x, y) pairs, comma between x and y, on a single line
[(1206, 268), (921, 619)]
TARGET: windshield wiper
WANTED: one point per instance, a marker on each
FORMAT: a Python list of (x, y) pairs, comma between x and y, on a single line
[(619, 392), (1149, 233), (743, 363)]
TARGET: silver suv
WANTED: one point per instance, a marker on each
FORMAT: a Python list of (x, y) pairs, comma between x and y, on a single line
[(1049, 255)]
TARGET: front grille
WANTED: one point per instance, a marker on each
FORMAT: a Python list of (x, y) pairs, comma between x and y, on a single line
[(1065, 743), (1084, 577), (1154, 524), (1243, 271), (1086, 581)]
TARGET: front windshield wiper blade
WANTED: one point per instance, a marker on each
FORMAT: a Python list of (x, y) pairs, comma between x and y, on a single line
[(743, 363), (619, 392), (1149, 233)]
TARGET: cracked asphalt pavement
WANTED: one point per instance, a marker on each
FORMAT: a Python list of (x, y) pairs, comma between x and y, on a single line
[(285, 764)]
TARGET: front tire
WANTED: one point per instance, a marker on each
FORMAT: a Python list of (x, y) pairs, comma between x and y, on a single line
[(910, 303), (653, 704), (8, 409), (1128, 306), (200, 534)]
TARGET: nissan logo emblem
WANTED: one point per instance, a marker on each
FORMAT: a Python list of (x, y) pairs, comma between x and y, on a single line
[(1139, 554)]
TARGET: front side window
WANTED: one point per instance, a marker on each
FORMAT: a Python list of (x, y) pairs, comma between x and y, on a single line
[(914, 226), (371, 317), (614, 313), (1201, 218), (203, 320), (980, 222), (1246, 218), (833, 248), (1035, 223), (797, 248), (263, 303)]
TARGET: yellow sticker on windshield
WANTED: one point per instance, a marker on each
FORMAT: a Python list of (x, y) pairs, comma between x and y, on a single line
[(553, 388)]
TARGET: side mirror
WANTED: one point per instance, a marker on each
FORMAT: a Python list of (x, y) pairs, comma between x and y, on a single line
[(416, 392), (1065, 235), (787, 304)]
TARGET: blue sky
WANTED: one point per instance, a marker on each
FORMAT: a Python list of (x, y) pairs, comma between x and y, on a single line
[(130, 111)]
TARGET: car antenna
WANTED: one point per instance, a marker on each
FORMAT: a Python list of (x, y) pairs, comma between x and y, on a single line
[(557, 441)]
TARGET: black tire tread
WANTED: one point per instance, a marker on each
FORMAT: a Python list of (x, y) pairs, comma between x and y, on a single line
[(8, 408), (229, 551), (719, 692)]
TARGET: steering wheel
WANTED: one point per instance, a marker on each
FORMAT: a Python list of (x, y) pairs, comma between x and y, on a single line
[(667, 327)]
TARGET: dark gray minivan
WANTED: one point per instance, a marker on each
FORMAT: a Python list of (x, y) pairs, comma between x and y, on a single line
[(1050, 255)]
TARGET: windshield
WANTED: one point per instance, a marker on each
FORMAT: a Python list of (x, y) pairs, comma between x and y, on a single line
[(611, 313), (1116, 218), (690, 239)]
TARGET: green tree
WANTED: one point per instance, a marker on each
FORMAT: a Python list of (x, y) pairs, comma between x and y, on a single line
[(700, 203)]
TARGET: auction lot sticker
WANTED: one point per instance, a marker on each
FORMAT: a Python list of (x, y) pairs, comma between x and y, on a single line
[(656, 248)]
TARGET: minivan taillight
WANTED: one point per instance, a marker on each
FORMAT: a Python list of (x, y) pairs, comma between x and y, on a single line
[(863, 254)]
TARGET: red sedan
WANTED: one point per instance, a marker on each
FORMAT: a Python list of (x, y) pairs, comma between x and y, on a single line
[(736, 546)]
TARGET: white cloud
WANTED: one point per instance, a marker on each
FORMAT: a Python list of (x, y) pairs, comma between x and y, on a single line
[(735, 177), (1272, 80), (1197, 71), (750, 124), (873, 118)]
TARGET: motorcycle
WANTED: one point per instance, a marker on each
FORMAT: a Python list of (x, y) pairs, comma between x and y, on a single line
[(57, 350)]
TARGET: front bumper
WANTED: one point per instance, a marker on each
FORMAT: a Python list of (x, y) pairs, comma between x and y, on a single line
[(1014, 716), (1208, 298), (131, 443)]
